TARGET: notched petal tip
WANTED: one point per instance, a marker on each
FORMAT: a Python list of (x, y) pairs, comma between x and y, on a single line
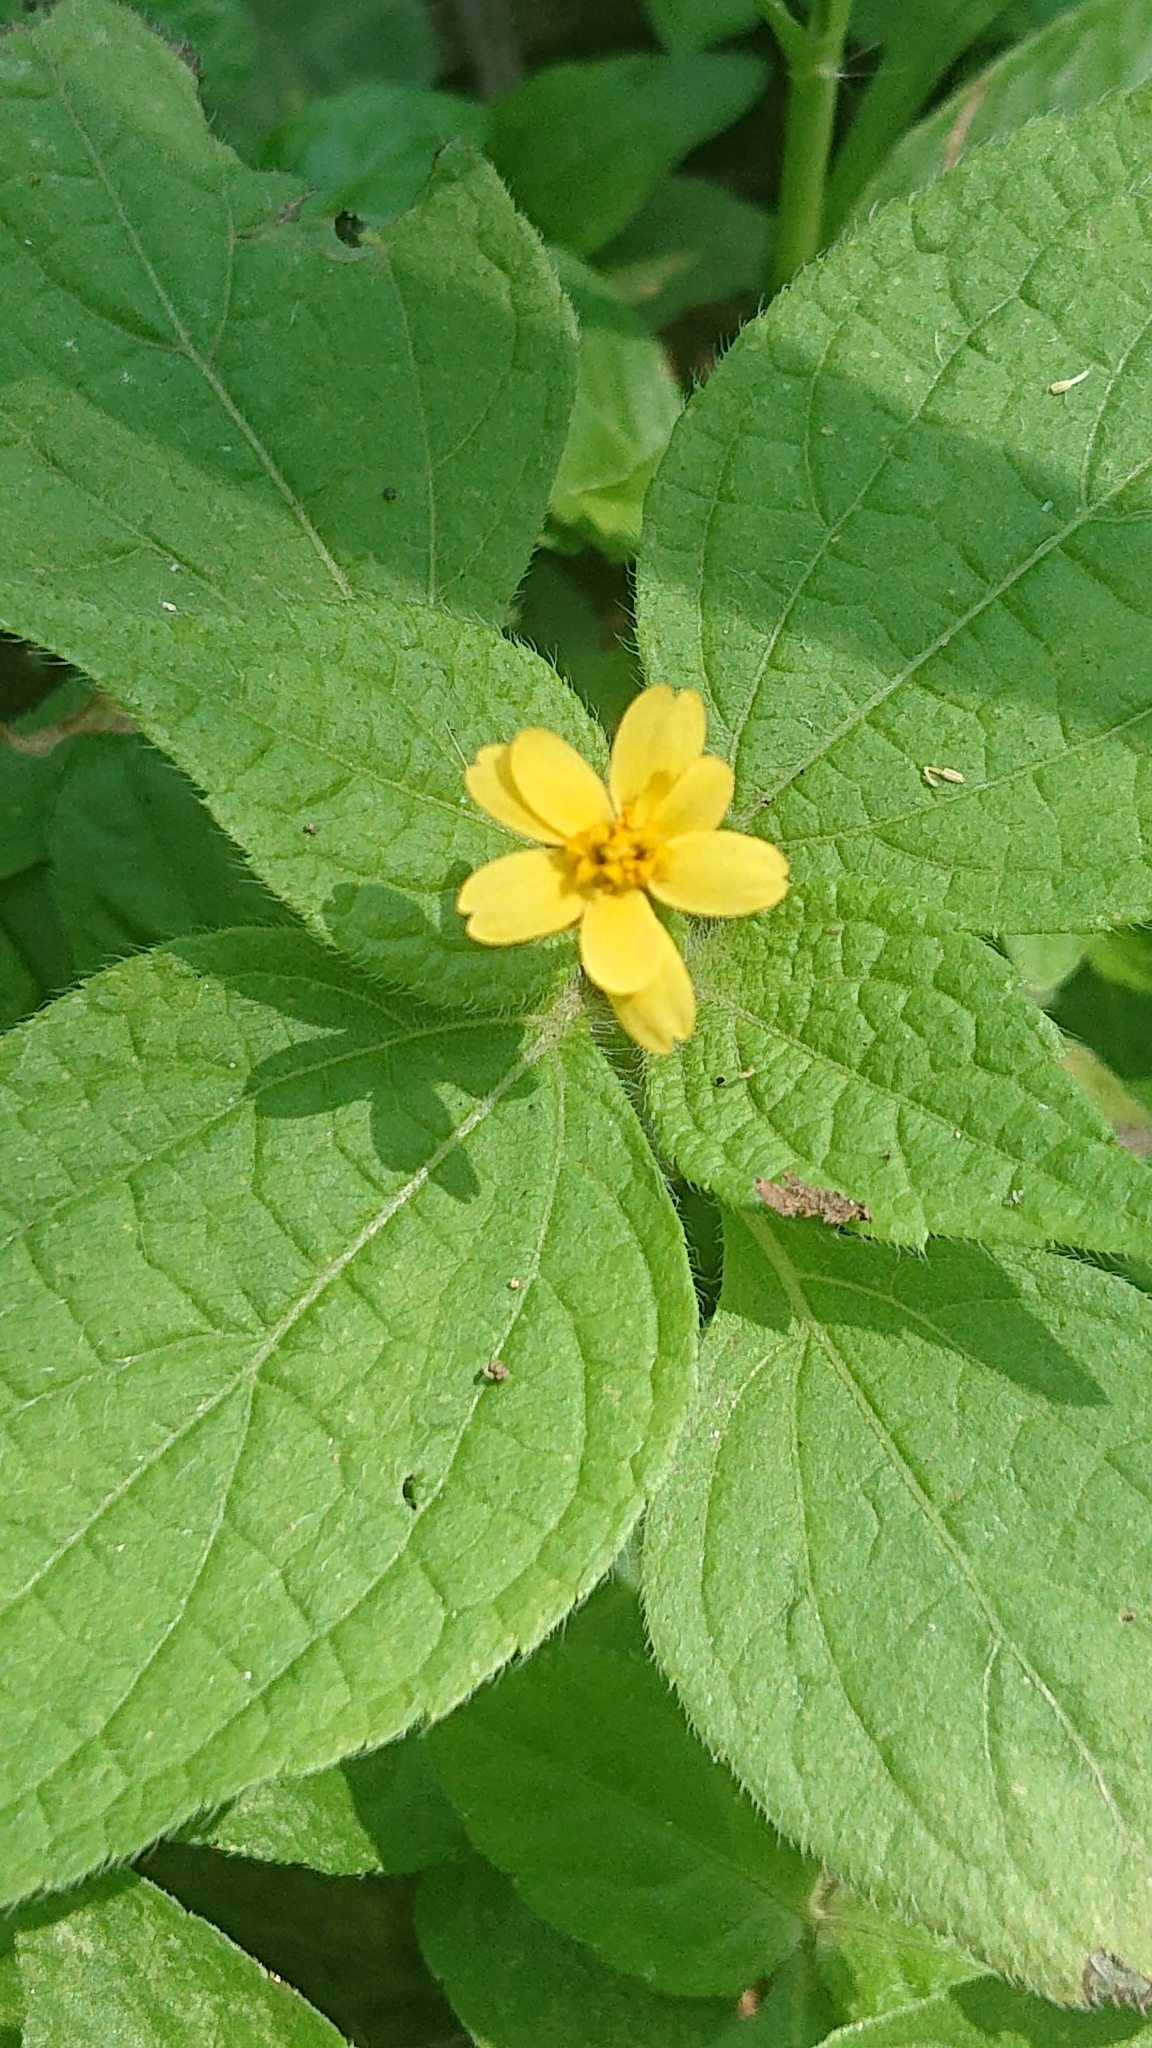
[(556, 782), (660, 735), (520, 896), (490, 784)]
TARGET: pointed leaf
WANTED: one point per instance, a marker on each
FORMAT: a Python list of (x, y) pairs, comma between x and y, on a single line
[(1101, 46), (128, 1965), (290, 372), (381, 1812), (577, 1775), (516, 1983), (886, 549), (331, 742), (262, 1232), (900, 1580), (870, 1048), (627, 403), (582, 146)]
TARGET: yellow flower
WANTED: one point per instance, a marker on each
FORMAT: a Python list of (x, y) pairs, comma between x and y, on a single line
[(654, 829)]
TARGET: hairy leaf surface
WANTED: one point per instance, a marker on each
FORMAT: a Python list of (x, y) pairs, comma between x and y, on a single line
[(516, 1983), (297, 376), (900, 1575), (885, 548), (262, 1230), (128, 1965), (868, 1047), (331, 742), (383, 1812), (1099, 47), (577, 1775)]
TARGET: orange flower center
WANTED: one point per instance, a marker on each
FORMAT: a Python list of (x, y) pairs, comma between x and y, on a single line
[(614, 854)]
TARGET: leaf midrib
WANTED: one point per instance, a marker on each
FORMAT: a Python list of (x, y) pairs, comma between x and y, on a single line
[(834, 530), (791, 1282), (729, 1007), (653, 1819), (545, 1042), (184, 340)]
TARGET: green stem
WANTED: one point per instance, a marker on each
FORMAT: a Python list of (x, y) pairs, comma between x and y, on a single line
[(814, 59)]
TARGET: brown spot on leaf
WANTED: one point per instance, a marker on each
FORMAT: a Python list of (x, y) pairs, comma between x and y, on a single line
[(790, 1197)]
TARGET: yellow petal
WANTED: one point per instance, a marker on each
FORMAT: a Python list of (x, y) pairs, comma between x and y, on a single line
[(660, 735), (556, 782), (622, 942), (720, 874), (664, 1013), (489, 784), (520, 896), (698, 801)]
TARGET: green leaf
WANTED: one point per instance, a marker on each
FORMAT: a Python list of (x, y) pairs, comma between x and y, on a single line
[(136, 857), (1115, 1020), (400, 429), (554, 615), (381, 1812), (991, 2015), (214, 39), (1045, 963), (346, 1943), (694, 24), (516, 1983), (921, 44), (221, 35), (881, 545), (305, 50), (331, 742), (870, 1962), (1099, 47), (627, 403), (36, 959), (1124, 958), (899, 1580), (1021, 17), (28, 785), (263, 1230), (577, 1775), (868, 1047), (582, 146), (693, 244), (1127, 1115), (126, 1965), (370, 148)]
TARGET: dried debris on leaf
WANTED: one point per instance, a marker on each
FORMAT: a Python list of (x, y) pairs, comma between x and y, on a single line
[(1108, 1980), (790, 1197)]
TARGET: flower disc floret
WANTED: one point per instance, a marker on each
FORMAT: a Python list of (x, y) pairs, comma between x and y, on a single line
[(602, 852), (612, 854)]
